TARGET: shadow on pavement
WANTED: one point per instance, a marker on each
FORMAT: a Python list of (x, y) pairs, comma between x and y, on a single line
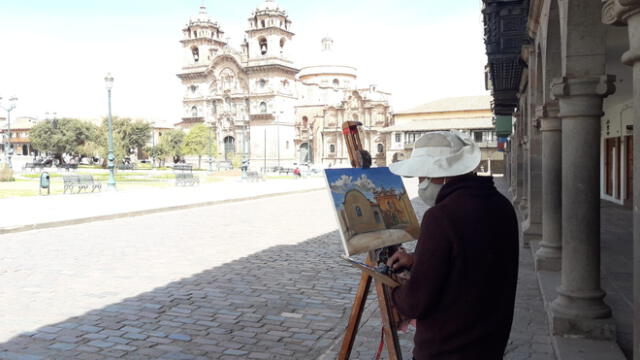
[(286, 302)]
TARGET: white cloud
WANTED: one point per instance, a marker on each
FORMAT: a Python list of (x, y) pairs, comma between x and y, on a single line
[(346, 183)]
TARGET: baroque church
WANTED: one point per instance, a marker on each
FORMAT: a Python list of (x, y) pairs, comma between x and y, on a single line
[(262, 106)]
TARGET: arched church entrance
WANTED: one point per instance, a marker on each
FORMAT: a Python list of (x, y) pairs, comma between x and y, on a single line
[(229, 147), (305, 153), (397, 157)]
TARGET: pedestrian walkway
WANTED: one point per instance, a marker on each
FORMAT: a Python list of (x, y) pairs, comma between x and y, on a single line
[(268, 289), (36, 212)]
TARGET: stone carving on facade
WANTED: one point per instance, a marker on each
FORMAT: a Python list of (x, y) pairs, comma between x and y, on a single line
[(617, 12)]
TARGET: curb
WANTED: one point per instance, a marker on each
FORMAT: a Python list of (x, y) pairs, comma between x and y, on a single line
[(61, 223)]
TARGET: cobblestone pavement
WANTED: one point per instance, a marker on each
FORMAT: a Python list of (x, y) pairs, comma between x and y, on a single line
[(194, 284)]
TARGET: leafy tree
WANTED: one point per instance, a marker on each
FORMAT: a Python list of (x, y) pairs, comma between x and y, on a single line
[(128, 135), (171, 144), (62, 136), (196, 142)]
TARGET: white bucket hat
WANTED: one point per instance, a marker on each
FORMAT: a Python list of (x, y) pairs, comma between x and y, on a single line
[(440, 154)]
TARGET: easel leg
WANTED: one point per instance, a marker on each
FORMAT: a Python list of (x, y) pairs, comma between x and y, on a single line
[(356, 315), (388, 322)]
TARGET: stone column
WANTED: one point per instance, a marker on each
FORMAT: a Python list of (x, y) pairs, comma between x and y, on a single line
[(620, 12), (533, 231), (549, 254), (579, 309)]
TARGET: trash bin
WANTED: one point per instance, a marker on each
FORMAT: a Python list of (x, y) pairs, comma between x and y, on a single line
[(45, 183)]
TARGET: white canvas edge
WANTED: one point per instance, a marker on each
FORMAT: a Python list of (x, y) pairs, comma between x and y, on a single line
[(335, 213)]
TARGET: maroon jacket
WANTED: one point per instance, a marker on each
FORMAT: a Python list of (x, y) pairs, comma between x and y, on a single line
[(463, 281)]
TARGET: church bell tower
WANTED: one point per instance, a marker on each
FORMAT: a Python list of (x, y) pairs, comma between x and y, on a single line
[(269, 34), (202, 38)]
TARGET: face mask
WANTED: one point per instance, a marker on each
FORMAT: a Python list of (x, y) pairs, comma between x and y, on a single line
[(428, 192)]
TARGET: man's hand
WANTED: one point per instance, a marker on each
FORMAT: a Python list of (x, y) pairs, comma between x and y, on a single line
[(400, 260)]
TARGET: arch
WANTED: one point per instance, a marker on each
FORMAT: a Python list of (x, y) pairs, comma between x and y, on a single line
[(263, 107), (229, 147), (262, 22), (397, 157), (305, 121), (582, 58), (283, 41), (262, 83), (305, 153), (194, 111), (196, 53), (552, 50), (358, 210), (380, 148), (376, 215), (264, 47)]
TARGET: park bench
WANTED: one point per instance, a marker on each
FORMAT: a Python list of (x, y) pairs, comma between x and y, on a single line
[(34, 166), (81, 182), (182, 167), (130, 166), (186, 178), (67, 167), (254, 176)]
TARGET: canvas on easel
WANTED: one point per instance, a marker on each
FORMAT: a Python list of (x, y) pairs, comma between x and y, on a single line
[(372, 208)]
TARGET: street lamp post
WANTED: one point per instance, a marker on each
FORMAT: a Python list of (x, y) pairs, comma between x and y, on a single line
[(210, 150), (7, 145), (111, 184)]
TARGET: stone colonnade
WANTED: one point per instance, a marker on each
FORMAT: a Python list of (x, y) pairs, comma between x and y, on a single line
[(555, 154)]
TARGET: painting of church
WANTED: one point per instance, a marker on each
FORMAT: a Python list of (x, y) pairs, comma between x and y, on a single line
[(372, 208)]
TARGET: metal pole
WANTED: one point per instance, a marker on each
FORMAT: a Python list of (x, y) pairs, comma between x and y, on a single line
[(153, 148), (210, 154), (9, 149), (111, 184)]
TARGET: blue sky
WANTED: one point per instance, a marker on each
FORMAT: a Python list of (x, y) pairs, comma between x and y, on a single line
[(380, 177), (56, 53)]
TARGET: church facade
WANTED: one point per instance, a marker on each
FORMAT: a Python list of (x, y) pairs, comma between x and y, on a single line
[(264, 108)]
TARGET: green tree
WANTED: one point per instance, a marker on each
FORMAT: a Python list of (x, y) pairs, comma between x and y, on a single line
[(128, 135), (62, 136), (170, 144), (197, 141)]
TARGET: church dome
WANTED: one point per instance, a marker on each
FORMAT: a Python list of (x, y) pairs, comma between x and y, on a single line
[(327, 63)]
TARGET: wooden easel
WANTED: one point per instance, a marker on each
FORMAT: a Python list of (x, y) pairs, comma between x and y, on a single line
[(360, 158)]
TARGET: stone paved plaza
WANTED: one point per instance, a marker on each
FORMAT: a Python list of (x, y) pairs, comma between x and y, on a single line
[(249, 280)]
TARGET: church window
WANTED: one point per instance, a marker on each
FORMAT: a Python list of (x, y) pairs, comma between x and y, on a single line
[(194, 111), (358, 211), (305, 121), (263, 107), (377, 217), (398, 137), (336, 82), (380, 148), (282, 42), (195, 34), (263, 46), (196, 53), (477, 136), (262, 83), (193, 89), (332, 148), (263, 23)]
